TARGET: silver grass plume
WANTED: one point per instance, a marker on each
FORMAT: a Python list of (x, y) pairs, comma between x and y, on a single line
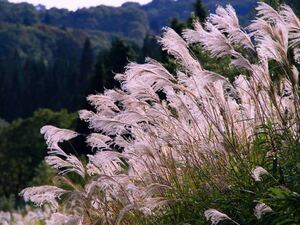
[(176, 46), (5, 218), (70, 164), (63, 219), (27, 216), (215, 216), (43, 195), (293, 24), (212, 38), (266, 12), (227, 22), (258, 172), (54, 136), (261, 209)]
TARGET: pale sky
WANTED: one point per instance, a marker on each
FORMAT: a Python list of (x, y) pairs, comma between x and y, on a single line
[(75, 4)]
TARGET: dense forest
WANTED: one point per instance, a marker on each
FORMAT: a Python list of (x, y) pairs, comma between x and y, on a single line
[(54, 58)]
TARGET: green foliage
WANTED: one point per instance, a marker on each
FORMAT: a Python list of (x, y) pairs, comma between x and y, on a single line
[(23, 148), (7, 203), (151, 48), (292, 3), (220, 66), (200, 11), (43, 175), (274, 3), (3, 125), (177, 25)]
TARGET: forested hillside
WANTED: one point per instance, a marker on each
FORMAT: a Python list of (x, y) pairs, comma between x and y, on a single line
[(45, 50)]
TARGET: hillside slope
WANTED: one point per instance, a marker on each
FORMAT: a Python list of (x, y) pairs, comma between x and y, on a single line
[(42, 51)]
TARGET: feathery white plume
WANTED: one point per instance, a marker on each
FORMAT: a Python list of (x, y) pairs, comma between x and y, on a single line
[(43, 195), (63, 219), (227, 22), (293, 24), (261, 209), (177, 47), (98, 141), (215, 216), (258, 172), (54, 135), (103, 103), (295, 75), (211, 40), (297, 55), (70, 164), (272, 41), (5, 218), (151, 73), (107, 162), (267, 13)]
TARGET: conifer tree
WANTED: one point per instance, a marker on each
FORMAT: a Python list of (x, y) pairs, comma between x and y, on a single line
[(87, 58), (200, 10), (112, 62)]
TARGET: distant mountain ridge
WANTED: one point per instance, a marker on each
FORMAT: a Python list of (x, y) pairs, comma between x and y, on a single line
[(130, 20)]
